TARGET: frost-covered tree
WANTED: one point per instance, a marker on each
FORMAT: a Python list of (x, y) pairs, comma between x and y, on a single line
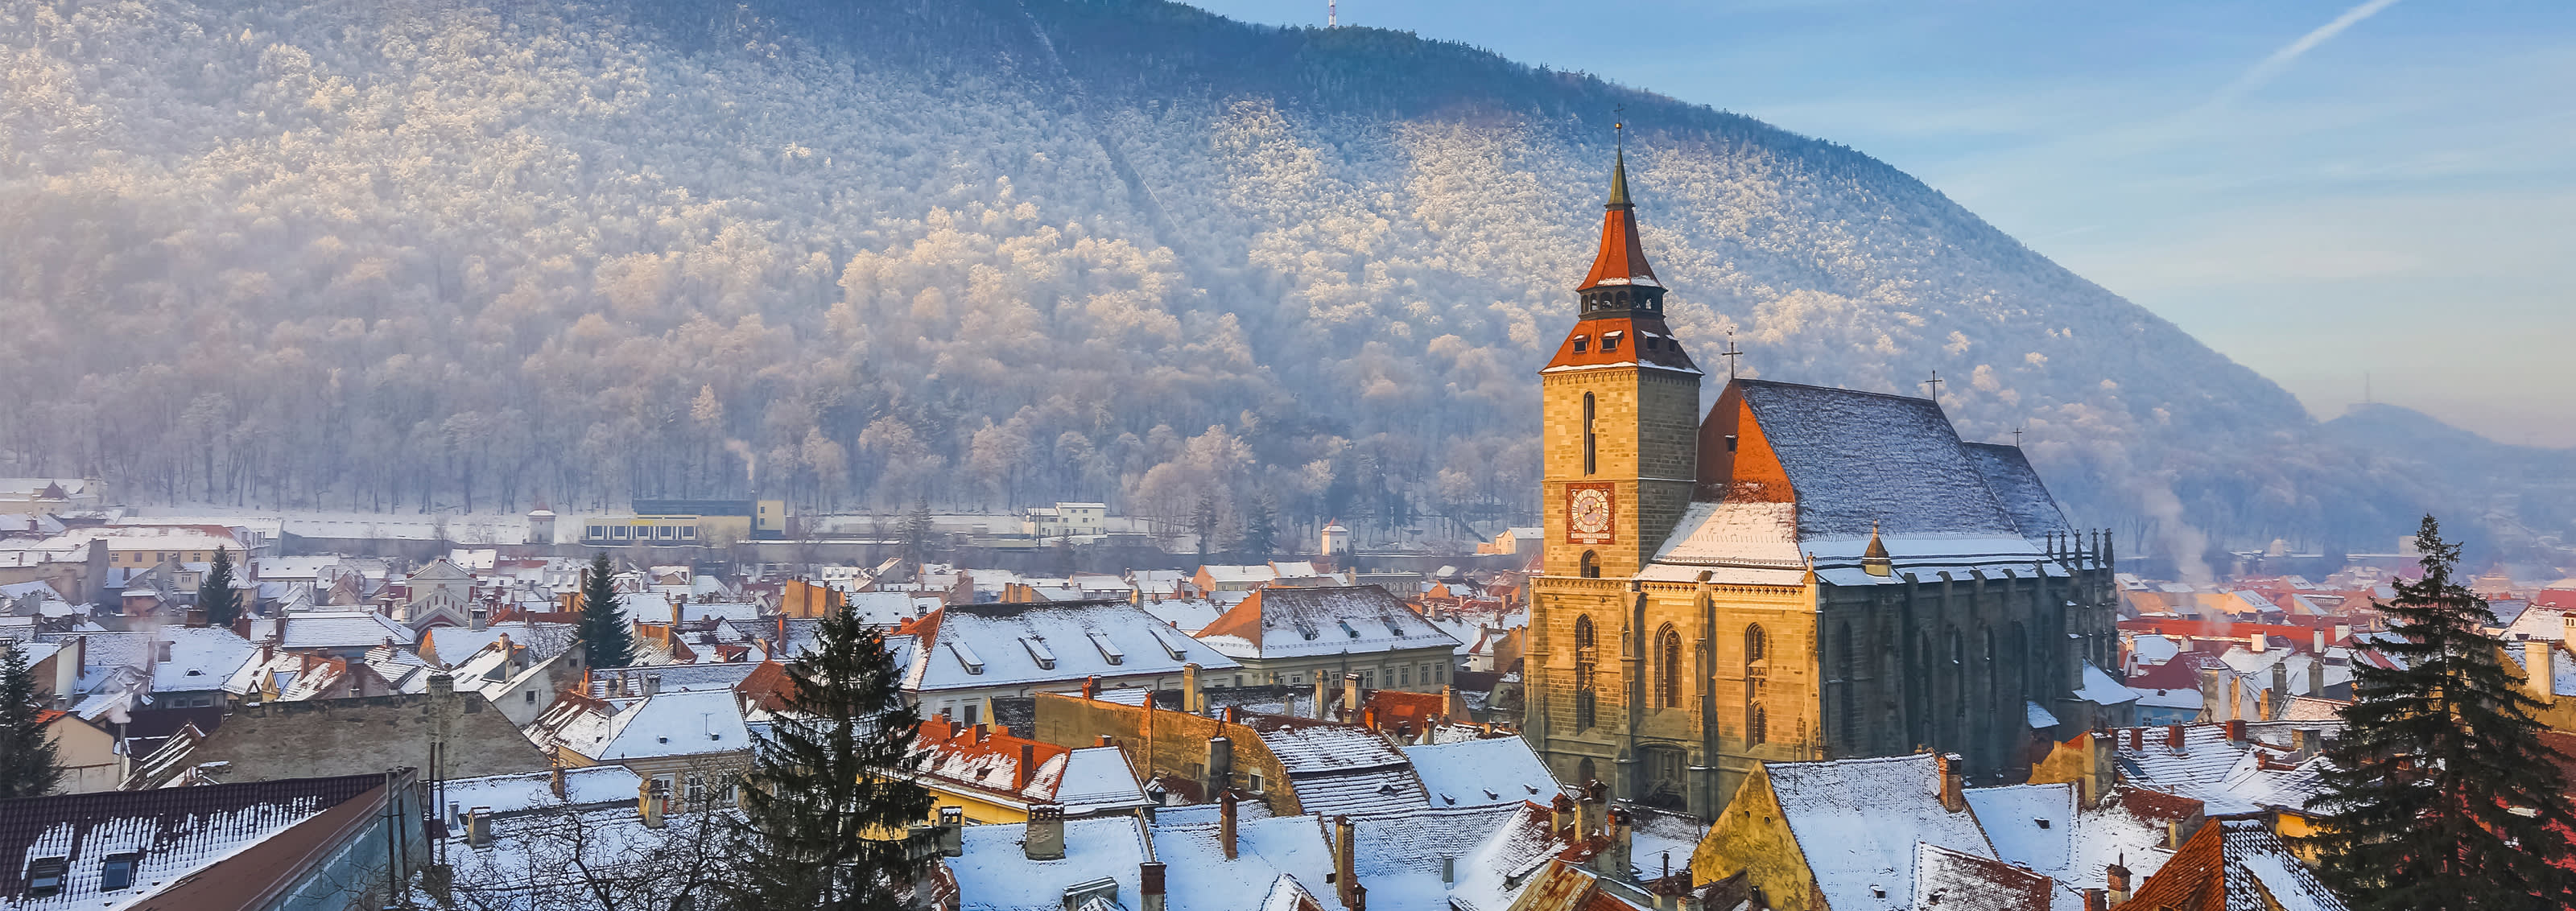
[(29, 765), (607, 639)]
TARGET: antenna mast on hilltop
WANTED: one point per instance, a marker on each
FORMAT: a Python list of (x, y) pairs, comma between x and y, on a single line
[(1332, 13)]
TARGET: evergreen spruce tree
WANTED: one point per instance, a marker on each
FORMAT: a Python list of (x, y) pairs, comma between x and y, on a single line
[(917, 529), (606, 639), (2439, 793), (1260, 529), (217, 596), (830, 790), (28, 766)]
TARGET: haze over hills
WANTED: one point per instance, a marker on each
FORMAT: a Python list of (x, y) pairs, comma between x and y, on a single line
[(473, 254)]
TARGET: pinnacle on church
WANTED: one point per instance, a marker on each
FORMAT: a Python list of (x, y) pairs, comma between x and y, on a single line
[(1619, 183), (1875, 561)]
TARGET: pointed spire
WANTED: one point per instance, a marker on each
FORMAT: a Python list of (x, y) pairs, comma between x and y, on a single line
[(1874, 561), (1619, 183)]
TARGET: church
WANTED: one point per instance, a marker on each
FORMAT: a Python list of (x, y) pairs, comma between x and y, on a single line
[(1799, 573)]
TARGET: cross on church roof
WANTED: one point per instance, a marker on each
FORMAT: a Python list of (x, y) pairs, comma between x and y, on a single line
[(1730, 354), (2016, 438), (1935, 382)]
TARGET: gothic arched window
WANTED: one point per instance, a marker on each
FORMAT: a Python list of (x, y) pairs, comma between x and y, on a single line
[(1588, 437), (1668, 677), (1586, 659), (1755, 644), (1757, 725), (1591, 565)]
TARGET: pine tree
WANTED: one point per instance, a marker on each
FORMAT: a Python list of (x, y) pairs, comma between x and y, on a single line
[(917, 528), (830, 788), (606, 639), (1260, 529), (217, 596), (2439, 793), (28, 766)]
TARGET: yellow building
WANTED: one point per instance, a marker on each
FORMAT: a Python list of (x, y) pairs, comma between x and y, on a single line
[(689, 523), (1806, 573)]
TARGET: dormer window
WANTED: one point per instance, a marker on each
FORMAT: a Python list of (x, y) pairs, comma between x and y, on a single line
[(45, 876), (1582, 343), (1651, 343), (117, 872), (1610, 342)]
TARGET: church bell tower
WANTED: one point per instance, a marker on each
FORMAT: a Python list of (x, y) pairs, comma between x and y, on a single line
[(1620, 407)]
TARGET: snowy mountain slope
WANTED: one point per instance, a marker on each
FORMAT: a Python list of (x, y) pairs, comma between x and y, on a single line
[(982, 251)]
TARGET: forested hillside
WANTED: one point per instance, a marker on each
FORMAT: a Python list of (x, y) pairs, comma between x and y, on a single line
[(990, 252)]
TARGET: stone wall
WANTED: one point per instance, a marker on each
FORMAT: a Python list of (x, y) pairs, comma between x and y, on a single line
[(367, 735)]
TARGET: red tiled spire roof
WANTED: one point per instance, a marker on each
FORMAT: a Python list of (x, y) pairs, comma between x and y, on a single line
[(1622, 260)]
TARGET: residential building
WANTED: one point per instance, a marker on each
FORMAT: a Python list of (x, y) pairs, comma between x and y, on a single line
[(1065, 520), (86, 751), (1290, 635), (968, 654), (689, 523), (989, 776), (322, 737), (303, 843), (690, 742)]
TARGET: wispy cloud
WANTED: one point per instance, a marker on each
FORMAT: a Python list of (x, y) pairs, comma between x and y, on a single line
[(2280, 60)]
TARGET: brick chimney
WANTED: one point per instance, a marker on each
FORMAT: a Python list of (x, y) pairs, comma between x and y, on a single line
[(2540, 677), (1149, 884), (555, 780), (1951, 789), (1225, 818), (1028, 767), (1595, 807), (1193, 700), (1345, 865), (1562, 819), (1045, 837), (2173, 737), (2118, 879), (2094, 901), (1350, 695), (2236, 730), (651, 801), (952, 831), (1614, 861)]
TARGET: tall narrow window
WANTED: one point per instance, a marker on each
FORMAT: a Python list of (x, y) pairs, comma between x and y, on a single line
[(1668, 680), (1757, 725), (1754, 644), (1588, 447), (1586, 660), (1591, 565)]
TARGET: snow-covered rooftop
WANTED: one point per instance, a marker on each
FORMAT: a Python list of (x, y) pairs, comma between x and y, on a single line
[(1299, 622), (1486, 772), (1857, 822), (989, 645)]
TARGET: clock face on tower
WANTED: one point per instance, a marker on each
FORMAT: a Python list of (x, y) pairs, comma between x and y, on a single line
[(1590, 513)]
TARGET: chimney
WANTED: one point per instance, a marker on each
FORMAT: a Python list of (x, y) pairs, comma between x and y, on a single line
[(1562, 819), (1028, 767), (1106, 741), (196, 618), (2173, 737), (1090, 686), (2236, 730), (983, 732), (2118, 877), (2099, 771), (1220, 763), (2093, 901), (1350, 695), (477, 617), (1192, 700), (2137, 738), (2254, 643), (2317, 675), (655, 798), (1613, 861), (1225, 816), (1149, 883), (1596, 803), (478, 827), (1452, 708), (1226, 714), (1954, 797), (555, 780), (2280, 695), (1045, 837), (952, 831), (2540, 674), (2317, 641), (1323, 692), (1345, 869)]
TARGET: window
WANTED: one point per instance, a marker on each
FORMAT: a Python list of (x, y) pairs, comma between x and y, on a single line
[(1730, 442), (45, 876), (1591, 565), (972, 710), (1755, 644), (1610, 342), (532, 697), (1668, 680), (117, 873), (1588, 437), (1757, 725), (1404, 675), (697, 789), (1254, 779), (688, 533), (1586, 657), (1582, 343)]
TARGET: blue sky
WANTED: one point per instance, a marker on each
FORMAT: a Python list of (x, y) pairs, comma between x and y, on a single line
[(2317, 189)]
